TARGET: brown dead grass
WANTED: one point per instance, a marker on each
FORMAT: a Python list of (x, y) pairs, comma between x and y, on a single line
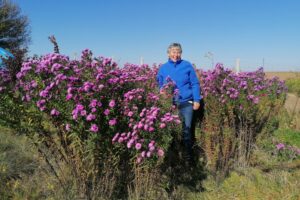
[(292, 103), (283, 75)]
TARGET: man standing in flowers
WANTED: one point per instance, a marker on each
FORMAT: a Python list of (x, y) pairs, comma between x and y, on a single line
[(186, 91)]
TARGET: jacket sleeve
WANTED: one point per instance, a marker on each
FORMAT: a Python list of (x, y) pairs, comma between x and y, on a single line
[(160, 79), (195, 85)]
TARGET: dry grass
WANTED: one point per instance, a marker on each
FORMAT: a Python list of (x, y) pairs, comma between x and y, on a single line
[(283, 75), (292, 103)]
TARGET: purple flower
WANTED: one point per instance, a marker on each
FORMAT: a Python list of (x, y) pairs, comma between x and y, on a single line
[(256, 100), (121, 139), (69, 96), (33, 84), (79, 107), (101, 87), (83, 113), (112, 122), (280, 146), (162, 125), (68, 127), (151, 129), (106, 112), (44, 93), (160, 152), (112, 103), (151, 148), (129, 144), (130, 113), (140, 125), (138, 146), (148, 154), (94, 128), (139, 159), (90, 117), (115, 137), (93, 103), (54, 112)]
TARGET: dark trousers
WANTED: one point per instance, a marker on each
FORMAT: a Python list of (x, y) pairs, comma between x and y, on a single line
[(186, 114)]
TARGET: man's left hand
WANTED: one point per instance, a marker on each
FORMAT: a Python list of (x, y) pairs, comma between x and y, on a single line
[(196, 105)]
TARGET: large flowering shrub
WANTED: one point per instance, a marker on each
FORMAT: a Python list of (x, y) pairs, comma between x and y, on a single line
[(238, 106), (91, 113)]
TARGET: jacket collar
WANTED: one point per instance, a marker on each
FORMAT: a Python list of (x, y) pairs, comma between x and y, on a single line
[(177, 62)]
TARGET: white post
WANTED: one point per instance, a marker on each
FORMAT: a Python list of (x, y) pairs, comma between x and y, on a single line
[(141, 60), (237, 65)]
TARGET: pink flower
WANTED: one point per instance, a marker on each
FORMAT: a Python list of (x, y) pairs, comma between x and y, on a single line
[(143, 154), (33, 84), (68, 127), (130, 113), (54, 112), (148, 154), (90, 117), (44, 93), (139, 160), (140, 125), (256, 100), (151, 148), (151, 129), (115, 137), (177, 121), (150, 144), (112, 122), (146, 126), (101, 87), (69, 96), (129, 144), (83, 113), (280, 146), (79, 107), (121, 139), (94, 128), (112, 103), (162, 125), (106, 112), (138, 146), (160, 152), (93, 103), (75, 116)]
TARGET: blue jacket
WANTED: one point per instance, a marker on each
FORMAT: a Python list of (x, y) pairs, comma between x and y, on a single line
[(184, 76)]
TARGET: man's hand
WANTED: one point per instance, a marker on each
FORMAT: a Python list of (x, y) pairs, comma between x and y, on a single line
[(196, 105)]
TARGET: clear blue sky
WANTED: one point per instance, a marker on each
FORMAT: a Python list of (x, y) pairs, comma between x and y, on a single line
[(251, 30)]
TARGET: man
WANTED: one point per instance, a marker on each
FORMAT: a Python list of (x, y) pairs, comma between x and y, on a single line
[(187, 100)]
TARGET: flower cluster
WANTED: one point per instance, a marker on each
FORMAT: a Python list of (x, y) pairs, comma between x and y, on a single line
[(287, 151), (240, 88), (4, 78), (95, 96)]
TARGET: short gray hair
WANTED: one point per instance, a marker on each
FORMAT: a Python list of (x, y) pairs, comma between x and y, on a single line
[(174, 45)]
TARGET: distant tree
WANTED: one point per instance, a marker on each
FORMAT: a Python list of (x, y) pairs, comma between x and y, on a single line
[(14, 27)]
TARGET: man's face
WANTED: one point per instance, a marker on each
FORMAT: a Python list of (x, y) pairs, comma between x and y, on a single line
[(174, 54)]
